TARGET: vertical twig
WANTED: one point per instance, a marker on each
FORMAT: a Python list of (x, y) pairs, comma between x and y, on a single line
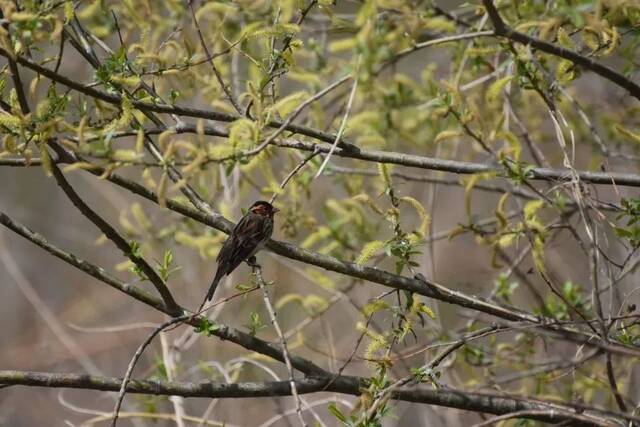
[(285, 351), (168, 357), (15, 75)]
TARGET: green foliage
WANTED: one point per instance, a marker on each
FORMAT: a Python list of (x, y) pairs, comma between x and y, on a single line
[(164, 267), (630, 213), (504, 288), (114, 64), (206, 327), (402, 248), (573, 299), (424, 374), (255, 324)]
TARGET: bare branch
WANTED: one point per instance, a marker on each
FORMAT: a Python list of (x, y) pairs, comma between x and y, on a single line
[(447, 397)]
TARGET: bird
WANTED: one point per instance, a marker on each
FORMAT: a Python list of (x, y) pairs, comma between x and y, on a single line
[(249, 236)]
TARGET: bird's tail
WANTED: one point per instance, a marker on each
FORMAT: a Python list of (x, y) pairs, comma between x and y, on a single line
[(212, 289), (214, 284)]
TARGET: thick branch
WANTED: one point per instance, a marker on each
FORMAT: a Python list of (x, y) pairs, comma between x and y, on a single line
[(347, 150), (223, 332), (420, 286), (415, 161), (158, 108), (479, 402), (375, 275), (465, 168)]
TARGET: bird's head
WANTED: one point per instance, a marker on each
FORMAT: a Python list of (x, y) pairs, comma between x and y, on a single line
[(263, 208)]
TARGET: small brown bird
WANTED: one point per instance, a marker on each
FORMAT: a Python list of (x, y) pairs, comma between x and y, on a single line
[(247, 238)]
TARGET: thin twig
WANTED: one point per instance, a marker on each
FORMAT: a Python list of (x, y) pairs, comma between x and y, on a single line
[(286, 124), (342, 128), (257, 271), (221, 82), (291, 174), (134, 360)]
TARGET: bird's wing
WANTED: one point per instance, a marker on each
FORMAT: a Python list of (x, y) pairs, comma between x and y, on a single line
[(249, 233)]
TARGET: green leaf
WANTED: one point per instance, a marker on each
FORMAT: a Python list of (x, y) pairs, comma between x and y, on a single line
[(206, 327), (336, 412)]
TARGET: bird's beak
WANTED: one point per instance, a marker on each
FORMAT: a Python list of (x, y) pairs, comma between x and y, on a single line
[(276, 210)]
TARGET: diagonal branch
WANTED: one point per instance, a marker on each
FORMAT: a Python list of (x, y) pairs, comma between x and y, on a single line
[(134, 361), (82, 265), (119, 241), (223, 332), (417, 285), (402, 159), (15, 74), (438, 397), (115, 99), (501, 29)]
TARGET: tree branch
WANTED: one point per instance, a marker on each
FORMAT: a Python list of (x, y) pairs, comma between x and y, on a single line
[(420, 286), (223, 332), (347, 150), (415, 161), (501, 29), (465, 168), (15, 75), (82, 265), (114, 99), (257, 271), (470, 401), (119, 241), (134, 361)]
